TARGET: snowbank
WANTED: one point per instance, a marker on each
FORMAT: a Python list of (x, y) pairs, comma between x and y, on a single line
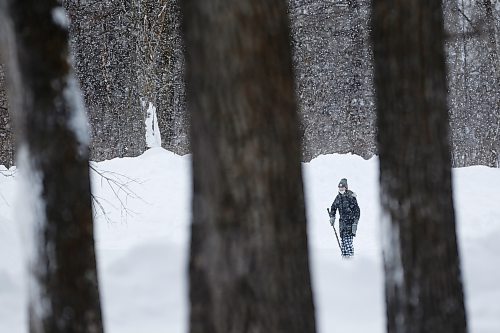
[(142, 233)]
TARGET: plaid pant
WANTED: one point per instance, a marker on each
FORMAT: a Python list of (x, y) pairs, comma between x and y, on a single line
[(346, 246)]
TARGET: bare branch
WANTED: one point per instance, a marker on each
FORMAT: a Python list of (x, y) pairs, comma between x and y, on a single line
[(119, 184)]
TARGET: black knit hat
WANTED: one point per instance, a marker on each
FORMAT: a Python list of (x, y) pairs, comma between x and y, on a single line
[(343, 183)]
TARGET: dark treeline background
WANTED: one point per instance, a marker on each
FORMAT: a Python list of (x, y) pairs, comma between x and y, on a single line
[(129, 53)]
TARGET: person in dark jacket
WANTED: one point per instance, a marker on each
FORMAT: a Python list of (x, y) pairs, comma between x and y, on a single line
[(349, 212)]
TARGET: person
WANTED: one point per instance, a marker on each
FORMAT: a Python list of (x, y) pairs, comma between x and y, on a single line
[(347, 205)]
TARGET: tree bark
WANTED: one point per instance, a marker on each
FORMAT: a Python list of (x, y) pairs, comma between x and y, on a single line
[(422, 267), (48, 111), (249, 269)]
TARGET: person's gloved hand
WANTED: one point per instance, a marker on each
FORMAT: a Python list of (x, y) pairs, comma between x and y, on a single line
[(332, 220), (354, 227)]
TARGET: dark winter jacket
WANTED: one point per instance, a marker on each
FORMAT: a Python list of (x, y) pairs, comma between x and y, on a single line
[(348, 208)]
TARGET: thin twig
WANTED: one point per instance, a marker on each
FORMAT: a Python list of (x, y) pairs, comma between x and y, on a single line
[(119, 185)]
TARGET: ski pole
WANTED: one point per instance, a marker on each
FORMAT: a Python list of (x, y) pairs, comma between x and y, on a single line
[(333, 225)]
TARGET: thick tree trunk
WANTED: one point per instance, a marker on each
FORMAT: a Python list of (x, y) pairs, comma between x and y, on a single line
[(249, 269), (64, 295), (422, 267)]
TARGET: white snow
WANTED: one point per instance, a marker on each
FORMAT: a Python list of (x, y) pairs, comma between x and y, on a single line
[(30, 215), (60, 17), (153, 136), (142, 251), (78, 122)]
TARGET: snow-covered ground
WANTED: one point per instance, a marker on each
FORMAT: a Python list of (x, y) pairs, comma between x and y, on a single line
[(142, 242)]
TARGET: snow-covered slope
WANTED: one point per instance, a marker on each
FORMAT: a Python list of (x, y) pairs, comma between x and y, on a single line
[(142, 249)]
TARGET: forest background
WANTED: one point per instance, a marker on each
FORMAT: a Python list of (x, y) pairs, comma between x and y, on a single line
[(130, 65)]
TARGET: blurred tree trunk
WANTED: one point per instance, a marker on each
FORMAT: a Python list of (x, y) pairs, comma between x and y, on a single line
[(249, 266), (48, 110), (423, 280)]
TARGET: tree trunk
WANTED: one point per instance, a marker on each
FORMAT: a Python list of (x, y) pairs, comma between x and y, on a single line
[(53, 152), (422, 267), (249, 269)]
